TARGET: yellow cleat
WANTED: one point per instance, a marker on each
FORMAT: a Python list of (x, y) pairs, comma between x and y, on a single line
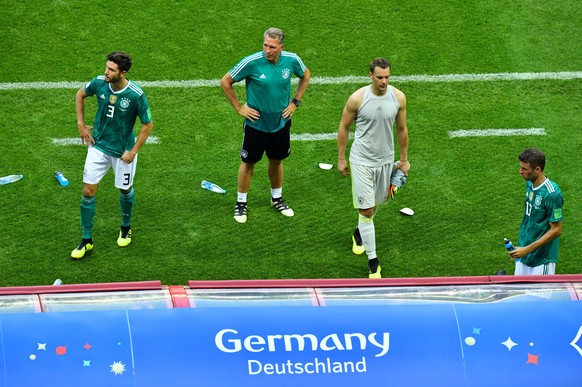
[(84, 246), (124, 238), (357, 245), (376, 274), (357, 249)]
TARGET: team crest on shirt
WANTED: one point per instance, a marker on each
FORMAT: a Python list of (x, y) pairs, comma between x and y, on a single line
[(286, 73), (124, 103), (538, 201)]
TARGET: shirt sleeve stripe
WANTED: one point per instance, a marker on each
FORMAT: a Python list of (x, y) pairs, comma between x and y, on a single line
[(296, 57), (236, 69)]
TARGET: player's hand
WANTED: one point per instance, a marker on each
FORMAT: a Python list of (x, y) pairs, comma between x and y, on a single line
[(127, 157), (248, 113), (85, 134), (519, 252), (343, 167), (289, 110), (404, 166)]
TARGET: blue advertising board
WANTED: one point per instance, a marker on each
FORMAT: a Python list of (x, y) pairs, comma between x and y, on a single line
[(501, 344)]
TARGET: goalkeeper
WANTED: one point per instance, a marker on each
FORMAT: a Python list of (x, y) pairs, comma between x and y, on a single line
[(374, 109)]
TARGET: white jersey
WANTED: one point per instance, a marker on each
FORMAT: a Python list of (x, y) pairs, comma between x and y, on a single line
[(374, 137)]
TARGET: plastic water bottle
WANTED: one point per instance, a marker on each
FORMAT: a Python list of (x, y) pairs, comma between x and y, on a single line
[(10, 179), (63, 181), (212, 187), (509, 246)]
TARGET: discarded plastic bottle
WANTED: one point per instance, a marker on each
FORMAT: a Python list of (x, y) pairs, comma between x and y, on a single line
[(63, 181), (212, 187), (10, 179), (509, 246)]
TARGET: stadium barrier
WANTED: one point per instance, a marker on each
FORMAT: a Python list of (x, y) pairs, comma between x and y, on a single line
[(450, 331)]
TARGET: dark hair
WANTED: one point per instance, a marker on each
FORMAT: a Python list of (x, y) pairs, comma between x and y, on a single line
[(534, 157), (122, 60), (383, 63)]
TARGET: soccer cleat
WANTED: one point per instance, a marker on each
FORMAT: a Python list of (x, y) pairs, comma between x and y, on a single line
[(279, 205), (376, 274), (240, 212), (124, 237), (84, 246), (357, 245)]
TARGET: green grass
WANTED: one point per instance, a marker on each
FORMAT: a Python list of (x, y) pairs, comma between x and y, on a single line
[(466, 192)]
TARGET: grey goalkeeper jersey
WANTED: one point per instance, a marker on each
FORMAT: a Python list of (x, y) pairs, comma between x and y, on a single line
[(374, 137)]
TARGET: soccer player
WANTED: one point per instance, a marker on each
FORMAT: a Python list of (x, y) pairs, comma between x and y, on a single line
[(374, 109), (541, 226), (111, 143), (267, 114)]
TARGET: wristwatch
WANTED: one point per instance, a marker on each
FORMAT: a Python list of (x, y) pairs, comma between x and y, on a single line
[(296, 102)]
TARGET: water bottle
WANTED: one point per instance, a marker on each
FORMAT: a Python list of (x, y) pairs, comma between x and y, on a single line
[(10, 179), (509, 246), (63, 181), (212, 187), (57, 282)]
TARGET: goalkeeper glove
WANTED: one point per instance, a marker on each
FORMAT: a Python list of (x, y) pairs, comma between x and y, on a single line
[(397, 180)]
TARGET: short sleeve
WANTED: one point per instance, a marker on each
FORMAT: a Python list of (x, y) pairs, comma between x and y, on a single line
[(143, 110), (555, 201), (90, 87)]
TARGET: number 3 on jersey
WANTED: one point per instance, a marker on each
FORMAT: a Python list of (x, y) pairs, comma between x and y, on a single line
[(110, 111)]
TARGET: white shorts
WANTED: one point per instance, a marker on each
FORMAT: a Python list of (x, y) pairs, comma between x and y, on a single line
[(544, 269), (370, 185), (98, 163)]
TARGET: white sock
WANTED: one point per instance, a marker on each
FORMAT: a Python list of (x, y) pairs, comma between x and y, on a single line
[(368, 234), (241, 197), (276, 193)]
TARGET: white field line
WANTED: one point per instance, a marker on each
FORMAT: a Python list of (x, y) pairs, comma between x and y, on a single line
[(333, 135), (156, 140), (562, 75), (452, 134), (316, 137), (497, 132), (77, 141)]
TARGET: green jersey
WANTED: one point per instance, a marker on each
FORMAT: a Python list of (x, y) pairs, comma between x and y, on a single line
[(543, 204), (116, 115), (268, 86)]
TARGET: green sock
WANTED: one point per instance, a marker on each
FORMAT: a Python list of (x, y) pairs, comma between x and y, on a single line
[(88, 208), (126, 203)]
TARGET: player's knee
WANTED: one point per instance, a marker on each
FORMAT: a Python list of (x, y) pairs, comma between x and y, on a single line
[(367, 212), (89, 190)]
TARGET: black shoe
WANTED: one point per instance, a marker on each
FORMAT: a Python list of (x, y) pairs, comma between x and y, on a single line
[(240, 212), (280, 205)]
